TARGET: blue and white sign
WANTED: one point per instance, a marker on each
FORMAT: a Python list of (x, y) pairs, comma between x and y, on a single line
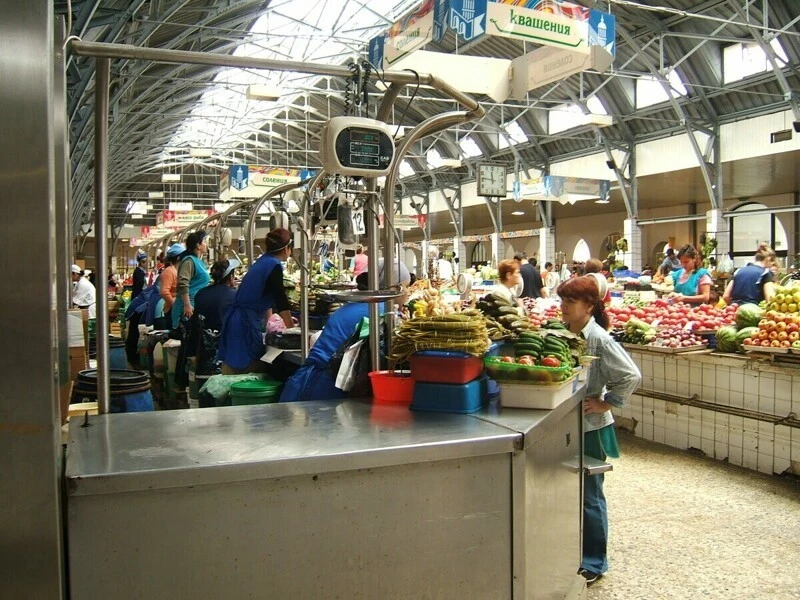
[(440, 11), (307, 174), (516, 191), (602, 31), (376, 45), (239, 176), (467, 18)]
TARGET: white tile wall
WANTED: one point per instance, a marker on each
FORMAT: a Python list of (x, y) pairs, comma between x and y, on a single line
[(757, 445)]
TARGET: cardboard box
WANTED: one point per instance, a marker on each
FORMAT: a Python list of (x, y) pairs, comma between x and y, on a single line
[(78, 361)]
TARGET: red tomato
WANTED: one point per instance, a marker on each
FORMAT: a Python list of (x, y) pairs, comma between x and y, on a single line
[(550, 361)]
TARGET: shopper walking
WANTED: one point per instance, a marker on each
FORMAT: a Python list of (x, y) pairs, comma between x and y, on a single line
[(692, 282), (242, 339), (532, 284), (192, 276), (550, 279), (612, 378), (754, 282), (360, 262)]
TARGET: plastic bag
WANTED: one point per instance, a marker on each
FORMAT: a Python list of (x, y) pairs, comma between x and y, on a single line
[(348, 369), (275, 324)]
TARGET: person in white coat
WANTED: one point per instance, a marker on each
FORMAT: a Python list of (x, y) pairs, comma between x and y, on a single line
[(84, 296)]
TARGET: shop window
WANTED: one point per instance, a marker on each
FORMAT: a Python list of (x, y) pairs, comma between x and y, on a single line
[(581, 252), (748, 231)]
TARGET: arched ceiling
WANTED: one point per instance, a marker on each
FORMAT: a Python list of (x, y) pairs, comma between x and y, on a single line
[(152, 104)]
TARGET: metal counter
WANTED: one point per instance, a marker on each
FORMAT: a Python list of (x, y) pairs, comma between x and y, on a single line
[(322, 500)]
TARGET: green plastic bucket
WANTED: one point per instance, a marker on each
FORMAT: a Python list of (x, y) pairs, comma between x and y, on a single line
[(255, 392)]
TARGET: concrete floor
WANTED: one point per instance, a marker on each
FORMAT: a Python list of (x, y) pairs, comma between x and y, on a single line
[(685, 527)]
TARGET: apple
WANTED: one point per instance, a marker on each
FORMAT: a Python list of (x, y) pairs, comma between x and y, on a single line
[(765, 343), (794, 336), (796, 344), (775, 344), (786, 344)]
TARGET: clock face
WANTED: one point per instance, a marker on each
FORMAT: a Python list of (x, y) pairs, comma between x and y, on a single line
[(492, 180)]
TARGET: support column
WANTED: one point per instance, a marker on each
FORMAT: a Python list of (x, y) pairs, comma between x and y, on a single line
[(460, 250), (718, 227), (496, 258), (633, 234), (547, 245)]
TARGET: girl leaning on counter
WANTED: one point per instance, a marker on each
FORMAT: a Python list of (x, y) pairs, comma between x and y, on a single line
[(241, 341), (612, 378)]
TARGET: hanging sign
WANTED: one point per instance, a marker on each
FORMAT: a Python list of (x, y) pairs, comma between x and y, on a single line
[(173, 219), (408, 34), (467, 18), (552, 23), (406, 222), (239, 176)]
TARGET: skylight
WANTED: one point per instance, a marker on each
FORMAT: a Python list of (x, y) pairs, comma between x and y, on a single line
[(406, 170), (433, 158), (469, 147), (327, 32), (568, 116), (742, 60), (649, 90), (514, 134)]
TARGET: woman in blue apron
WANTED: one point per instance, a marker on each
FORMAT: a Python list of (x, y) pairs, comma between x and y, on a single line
[(192, 276), (241, 343), (692, 282), (315, 380)]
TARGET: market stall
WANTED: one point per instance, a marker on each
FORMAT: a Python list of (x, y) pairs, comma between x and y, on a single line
[(327, 499)]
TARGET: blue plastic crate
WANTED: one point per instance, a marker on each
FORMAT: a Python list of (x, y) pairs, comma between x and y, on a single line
[(443, 397)]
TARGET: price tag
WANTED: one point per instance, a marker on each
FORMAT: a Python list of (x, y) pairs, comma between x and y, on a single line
[(359, 228)]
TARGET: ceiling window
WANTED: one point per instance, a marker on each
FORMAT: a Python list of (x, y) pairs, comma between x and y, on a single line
[(406, 170), (649, 90), (433, 158), (469, 147), (513, 134), (568, 116), (742, 60), (327, 32)]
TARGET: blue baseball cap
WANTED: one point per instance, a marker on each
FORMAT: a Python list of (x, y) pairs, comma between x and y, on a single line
[(176, 250)]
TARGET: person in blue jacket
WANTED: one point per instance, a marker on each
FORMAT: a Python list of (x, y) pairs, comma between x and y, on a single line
[(192, 276), (242, 339), (315, 380)]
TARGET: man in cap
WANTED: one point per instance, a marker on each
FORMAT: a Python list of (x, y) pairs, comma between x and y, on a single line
[(139, 275), (83, 292)]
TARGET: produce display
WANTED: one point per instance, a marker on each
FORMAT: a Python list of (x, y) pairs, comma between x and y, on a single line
[(547, 350), (776, 330), (502, 318), (462, 332), (786, 299), (661, 313), (428, 301), (636, 332), (506, 369), (676, 338)]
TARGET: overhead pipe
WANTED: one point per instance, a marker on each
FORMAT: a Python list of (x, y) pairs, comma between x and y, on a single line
[(101, 99), (671, 219), (126, 51)]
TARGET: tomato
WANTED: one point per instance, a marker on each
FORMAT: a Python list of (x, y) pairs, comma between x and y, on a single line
[(550, 361), (506, 359), (526, 360)]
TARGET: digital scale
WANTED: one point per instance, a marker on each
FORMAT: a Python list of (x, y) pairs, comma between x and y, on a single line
[(357, 147)]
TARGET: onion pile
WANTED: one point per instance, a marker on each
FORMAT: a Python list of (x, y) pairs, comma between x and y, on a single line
[(675, 337)]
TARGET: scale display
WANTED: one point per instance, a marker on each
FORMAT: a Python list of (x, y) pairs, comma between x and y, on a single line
[(357, 147)]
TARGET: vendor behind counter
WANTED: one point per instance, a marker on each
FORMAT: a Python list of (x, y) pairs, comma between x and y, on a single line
[(316, 380)]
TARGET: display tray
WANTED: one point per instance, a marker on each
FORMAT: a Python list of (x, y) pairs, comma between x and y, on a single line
[(537, 396), (770, 350), (367, 296), (663, 350)]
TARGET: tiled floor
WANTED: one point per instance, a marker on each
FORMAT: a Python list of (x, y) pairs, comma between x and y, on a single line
[(684, 527)]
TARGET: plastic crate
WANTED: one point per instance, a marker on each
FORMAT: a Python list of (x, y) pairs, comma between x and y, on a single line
[(441, 366), (505, 372), (442, 397), (540, 397)]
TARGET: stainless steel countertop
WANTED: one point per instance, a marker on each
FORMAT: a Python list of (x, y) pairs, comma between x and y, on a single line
[(139, 451), (532, 424)]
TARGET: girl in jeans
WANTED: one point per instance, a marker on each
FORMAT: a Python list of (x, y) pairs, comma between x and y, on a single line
[(613, 377)]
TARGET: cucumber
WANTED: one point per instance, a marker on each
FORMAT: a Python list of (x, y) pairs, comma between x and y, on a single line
[(507, 310), (532, 335), (527, 350)]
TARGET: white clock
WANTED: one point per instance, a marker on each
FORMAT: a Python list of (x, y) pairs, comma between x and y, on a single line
[(492, 180)]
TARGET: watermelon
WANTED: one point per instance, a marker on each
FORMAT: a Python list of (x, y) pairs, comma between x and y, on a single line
[(745, 333), (748, 315), (726, 339)]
